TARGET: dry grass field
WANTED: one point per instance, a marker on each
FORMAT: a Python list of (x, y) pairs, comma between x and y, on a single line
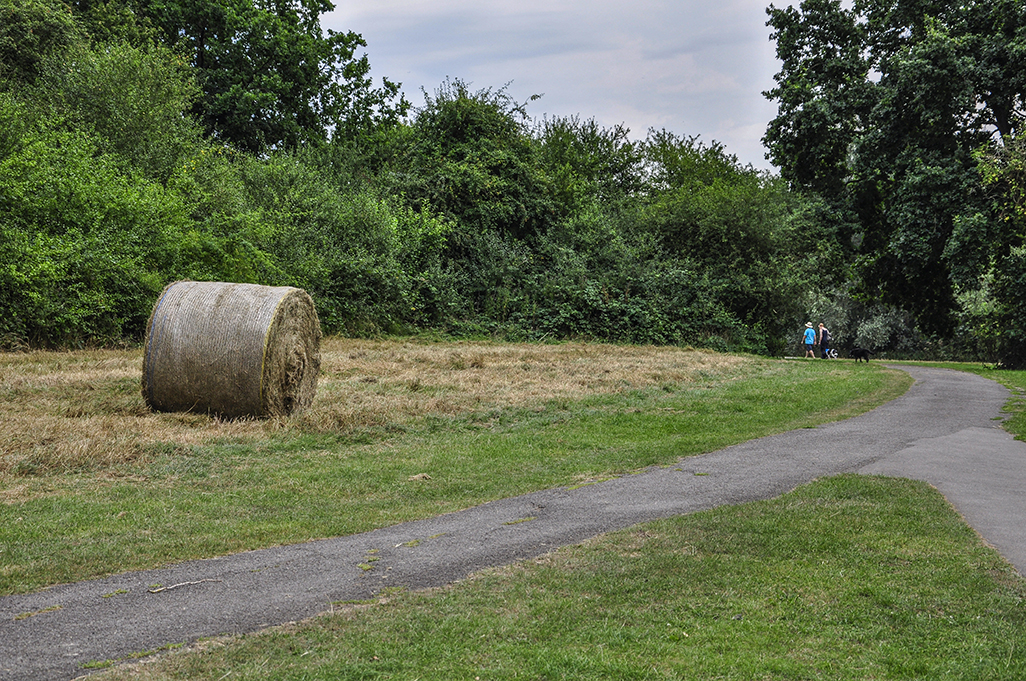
[(75, 411)]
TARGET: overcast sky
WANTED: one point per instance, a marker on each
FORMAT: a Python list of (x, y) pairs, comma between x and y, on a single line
[(694, 67)]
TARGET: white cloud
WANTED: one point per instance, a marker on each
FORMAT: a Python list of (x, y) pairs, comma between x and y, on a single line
[(691, 66)]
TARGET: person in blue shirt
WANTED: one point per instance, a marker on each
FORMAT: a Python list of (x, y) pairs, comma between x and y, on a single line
[(810, 340)]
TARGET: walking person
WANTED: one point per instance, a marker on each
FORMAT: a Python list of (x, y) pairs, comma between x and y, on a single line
[(810, 340), (824, 340)]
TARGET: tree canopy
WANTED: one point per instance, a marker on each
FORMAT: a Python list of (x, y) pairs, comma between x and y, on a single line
[(881, 110), (269, 75), (143, 141), (31, 32)]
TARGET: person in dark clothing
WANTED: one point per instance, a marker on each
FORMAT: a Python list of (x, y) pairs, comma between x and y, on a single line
[(824, 340)]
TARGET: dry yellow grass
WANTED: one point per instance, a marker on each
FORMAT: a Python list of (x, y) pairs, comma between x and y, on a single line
[(68, 411)]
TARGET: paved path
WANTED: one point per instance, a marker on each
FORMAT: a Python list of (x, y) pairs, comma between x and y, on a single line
[(944, 430)]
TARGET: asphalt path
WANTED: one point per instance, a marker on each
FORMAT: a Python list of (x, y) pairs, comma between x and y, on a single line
[(944, 430)]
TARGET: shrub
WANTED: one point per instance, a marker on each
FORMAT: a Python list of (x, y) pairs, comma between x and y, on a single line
[(87, 248), (1010, 291)]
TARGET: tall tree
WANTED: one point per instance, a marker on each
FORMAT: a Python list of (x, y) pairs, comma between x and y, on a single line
[(31, 32), (270, 76), (1004, 176), (881, 108)]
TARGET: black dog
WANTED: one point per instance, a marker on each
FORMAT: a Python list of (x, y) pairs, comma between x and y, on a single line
[(860, 353)]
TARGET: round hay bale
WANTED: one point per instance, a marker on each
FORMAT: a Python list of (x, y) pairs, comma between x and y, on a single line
[(231, 349)]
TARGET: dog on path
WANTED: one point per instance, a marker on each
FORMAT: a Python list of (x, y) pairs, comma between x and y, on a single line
[(860, 353)]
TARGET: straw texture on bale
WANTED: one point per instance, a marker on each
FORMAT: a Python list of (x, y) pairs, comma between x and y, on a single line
[(231, 349)]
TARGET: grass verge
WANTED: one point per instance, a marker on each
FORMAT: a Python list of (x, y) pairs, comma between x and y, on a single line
[(845, 578)]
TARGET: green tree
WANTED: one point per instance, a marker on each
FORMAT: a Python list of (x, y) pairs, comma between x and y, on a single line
[(31, 32), (589, 163), (84, 247), (881, 107), (758, 244), (270, 76), (1003, 170), (470, 156), (135, 101), (111, 21)]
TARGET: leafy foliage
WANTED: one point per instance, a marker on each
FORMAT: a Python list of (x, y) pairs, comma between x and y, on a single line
[(881, 109), (33, 32), (1003, 170), (588, 163), (270, 77), (757, 244), (145, 141), (85, 248), (133, 100), (469, 157)]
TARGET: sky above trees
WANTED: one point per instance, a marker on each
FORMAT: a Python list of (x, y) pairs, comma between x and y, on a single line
[(691, 66)]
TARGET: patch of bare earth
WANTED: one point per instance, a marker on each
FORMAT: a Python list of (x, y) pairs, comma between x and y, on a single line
[(63, 412)]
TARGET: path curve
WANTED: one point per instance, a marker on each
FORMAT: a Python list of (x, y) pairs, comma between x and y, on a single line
[(944, 430)]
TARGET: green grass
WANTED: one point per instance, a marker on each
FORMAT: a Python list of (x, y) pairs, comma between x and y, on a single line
[(191, 502), (845, 578)]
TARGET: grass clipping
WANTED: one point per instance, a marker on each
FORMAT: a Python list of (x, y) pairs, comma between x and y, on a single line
[(231, 349)]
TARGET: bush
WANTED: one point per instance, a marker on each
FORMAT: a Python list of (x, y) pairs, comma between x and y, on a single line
[(1010, 291), (133, 102), (469, 157), (371, 265), (86, 248)]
